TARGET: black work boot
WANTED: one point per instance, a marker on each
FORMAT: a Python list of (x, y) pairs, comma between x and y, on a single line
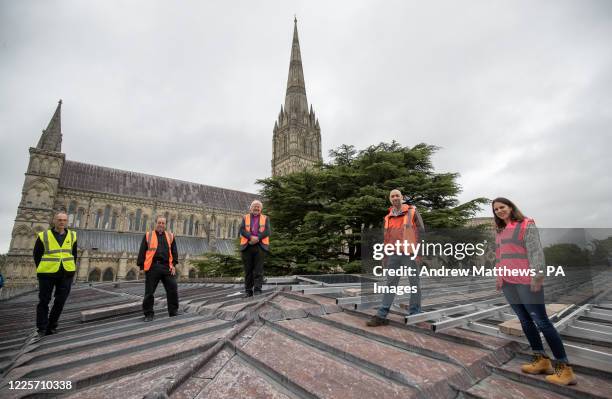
[(376, 321)]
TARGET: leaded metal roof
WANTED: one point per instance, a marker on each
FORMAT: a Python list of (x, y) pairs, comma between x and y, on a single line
[(116, 242), (82, 176)]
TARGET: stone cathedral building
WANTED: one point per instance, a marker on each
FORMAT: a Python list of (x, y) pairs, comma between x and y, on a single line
[(111, 209)]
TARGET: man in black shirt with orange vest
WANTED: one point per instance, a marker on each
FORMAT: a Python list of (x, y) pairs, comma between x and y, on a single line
[(158, 257)]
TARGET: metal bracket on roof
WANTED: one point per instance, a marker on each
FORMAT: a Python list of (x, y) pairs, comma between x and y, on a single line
[(441, 314), (468, 318)]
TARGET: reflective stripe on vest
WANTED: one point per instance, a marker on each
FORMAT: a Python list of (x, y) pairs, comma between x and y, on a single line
[(55, 254), (151, 239), (409, 234), (510, 244), (262, 228)]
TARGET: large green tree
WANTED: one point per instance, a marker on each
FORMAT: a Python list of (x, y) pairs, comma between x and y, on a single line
[(318, 215), (567, 255)]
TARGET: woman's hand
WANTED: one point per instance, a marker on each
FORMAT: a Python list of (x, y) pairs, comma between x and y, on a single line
[(536, 283), (499, 283)]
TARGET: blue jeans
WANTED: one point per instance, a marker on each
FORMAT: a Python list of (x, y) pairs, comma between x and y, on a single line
[(530, 309), (395, 262)]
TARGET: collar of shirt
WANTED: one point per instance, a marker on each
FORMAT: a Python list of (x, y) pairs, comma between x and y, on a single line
[(396, 212)]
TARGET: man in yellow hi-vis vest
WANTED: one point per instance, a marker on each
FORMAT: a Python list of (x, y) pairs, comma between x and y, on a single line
[(254, 246), (55, 254)]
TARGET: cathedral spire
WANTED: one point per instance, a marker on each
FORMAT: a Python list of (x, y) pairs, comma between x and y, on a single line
[(51, 138), (295, 99), (296, 138)]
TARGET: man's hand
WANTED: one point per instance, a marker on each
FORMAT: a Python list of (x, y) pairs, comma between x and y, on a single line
[(172, 270), (536, 283), (254, 240)]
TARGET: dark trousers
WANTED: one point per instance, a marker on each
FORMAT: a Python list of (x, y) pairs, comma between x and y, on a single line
[(530, 309), (156, 273), (46, 282), (253, 258)]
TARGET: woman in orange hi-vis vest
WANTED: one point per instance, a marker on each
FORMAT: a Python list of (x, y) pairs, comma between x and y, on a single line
[(254, 246), (518, 247)]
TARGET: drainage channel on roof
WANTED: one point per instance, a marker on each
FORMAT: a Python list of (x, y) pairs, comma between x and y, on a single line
[(338, 278)]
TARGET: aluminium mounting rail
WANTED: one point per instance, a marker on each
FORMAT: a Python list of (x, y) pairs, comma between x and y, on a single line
[(439, 314)]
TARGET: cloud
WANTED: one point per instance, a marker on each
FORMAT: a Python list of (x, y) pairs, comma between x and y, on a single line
[(516, 94)]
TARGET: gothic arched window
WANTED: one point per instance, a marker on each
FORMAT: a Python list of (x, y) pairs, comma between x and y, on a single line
[(145, 220), (79, 217), (191, 225), (137, 221), (94, 275), (114, 221), (132, 274), (108, 275), (98, 222), (106, 218), (72, 213)]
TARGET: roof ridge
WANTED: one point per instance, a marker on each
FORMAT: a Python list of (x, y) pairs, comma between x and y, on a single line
[(158, 177)]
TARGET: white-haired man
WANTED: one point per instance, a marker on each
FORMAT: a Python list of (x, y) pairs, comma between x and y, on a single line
[(254, 246)]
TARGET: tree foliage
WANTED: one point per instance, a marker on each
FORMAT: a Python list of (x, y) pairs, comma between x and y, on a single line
[(219, 265), (318, 215), (566, 255)]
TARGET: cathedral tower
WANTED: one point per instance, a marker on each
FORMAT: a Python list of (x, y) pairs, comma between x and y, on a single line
[(296, 141), (40, 188)]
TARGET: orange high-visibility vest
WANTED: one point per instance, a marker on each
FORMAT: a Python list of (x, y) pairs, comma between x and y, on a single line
[(408, 226), (151, 238), (262, 227)]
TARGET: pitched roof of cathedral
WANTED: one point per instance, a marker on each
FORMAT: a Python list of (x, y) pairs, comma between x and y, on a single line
[(115, 242), (82, 176)]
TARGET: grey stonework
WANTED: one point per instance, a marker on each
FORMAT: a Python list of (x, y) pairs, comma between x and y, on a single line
[(112, 208)]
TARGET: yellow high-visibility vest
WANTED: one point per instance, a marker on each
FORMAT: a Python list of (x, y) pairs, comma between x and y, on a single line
[(56, 254)]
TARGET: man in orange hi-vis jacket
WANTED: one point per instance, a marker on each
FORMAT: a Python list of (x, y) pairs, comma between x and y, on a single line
[(254, 246), (402, 223), (158, 257)]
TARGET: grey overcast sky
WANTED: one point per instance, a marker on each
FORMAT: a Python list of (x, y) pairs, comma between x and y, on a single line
[(517, 93)]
